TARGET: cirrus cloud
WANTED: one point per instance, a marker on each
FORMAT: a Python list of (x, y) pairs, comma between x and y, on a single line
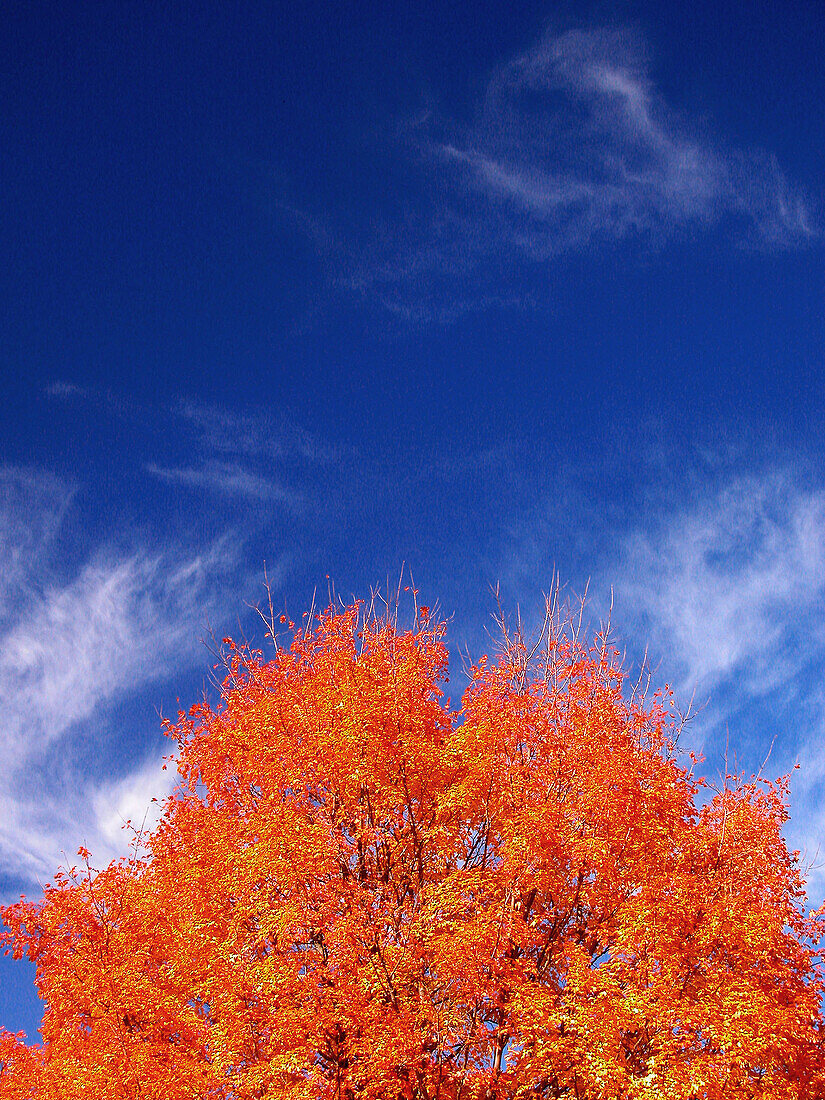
[(572, 146), (70, 652)]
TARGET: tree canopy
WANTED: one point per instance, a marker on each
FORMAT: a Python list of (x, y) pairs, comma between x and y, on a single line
[(357, 892)]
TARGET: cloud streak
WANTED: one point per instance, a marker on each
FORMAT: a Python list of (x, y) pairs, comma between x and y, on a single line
[(729, 590), (253, 456), (572, 147), (727, 585), (231, 479), (574, 142), (246, 455), (259, 434), (68, 652), (718, 573), (32, 508)]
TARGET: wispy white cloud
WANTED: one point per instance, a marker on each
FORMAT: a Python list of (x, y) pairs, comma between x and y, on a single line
[(32, 507), (725, 584), (113, 628), (573, 145), (230, 479), (574, 142), (718, 571), (255, 455), (729, 589), (134, 800), (253, 434), (808, 795), (70, 650)]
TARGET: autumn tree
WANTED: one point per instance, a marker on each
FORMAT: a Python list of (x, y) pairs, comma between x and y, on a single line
[(356, 892)]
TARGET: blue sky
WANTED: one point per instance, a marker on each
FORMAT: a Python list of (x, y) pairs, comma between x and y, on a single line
[(335, 287)]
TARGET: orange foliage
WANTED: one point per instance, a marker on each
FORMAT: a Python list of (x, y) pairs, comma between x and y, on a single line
[(355, 892)]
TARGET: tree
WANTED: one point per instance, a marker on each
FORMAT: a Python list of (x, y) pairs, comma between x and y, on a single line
[(355, 892)]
